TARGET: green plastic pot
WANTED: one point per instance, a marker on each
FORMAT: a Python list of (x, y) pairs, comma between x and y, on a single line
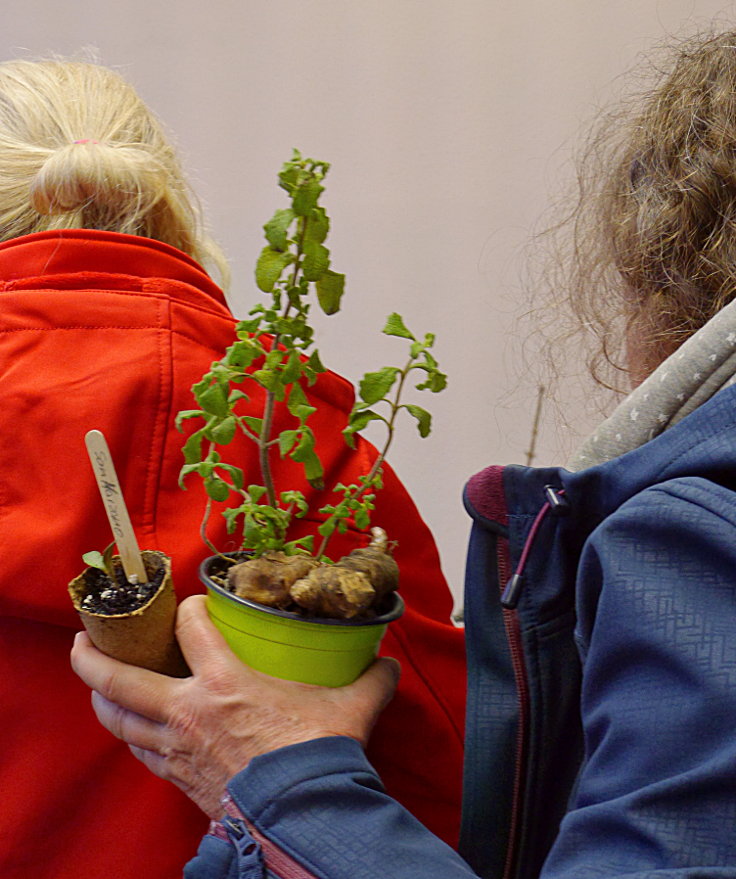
[(331, 653)]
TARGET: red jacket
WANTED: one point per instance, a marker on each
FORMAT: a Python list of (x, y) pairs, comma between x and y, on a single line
[(107, 331)]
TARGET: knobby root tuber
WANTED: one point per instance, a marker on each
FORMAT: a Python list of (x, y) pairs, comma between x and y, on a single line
[(269, 578), (352, 587), (354, 584), (334, 591)]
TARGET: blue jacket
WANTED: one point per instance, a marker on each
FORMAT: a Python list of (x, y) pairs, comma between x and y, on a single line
[(601, 737)]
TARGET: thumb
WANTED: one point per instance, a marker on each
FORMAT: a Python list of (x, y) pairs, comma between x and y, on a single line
[(199, 639), (372, 691)]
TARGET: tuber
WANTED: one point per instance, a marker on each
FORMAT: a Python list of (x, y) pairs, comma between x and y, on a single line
[(334, 591), (268, 579), (353, 585)]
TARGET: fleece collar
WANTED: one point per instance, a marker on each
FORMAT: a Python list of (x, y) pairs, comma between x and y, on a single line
[(703, 365)]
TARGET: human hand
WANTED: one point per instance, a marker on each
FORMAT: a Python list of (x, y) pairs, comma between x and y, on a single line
[(198, 732)]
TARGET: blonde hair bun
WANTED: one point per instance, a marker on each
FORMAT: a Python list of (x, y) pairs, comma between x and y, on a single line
[(79, 149), (114, 185)]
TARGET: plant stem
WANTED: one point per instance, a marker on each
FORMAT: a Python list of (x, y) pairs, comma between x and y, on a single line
[(263, 448), (535, 427), (367, 482), (203, 530), (264, 440)]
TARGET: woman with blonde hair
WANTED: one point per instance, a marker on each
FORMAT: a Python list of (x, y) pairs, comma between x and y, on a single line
[(107, 317), (600, 598)]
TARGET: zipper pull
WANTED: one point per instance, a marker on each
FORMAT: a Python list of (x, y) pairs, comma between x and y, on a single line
[(512, 592), (559, 505), (248, 851)]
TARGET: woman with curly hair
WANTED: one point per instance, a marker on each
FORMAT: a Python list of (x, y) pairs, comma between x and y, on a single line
[(600, 598)]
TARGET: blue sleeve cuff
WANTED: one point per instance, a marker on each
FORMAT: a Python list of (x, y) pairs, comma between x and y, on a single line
[(269, 777), (322, 804)]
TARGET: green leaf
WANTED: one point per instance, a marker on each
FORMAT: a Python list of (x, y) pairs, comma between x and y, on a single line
[(217, 488), (327, 528), (305, 198), (289, 177), (305, 455), (297, 499), (256, 492), (255, 424), (224, 432), (362, 519), (252, 536), (375, 385), (317, 225), (297, 399), (287, 438), (436, 381), (274, 358), (192, 448), (94, 559), (315, 363), (316, 260), (202, 384), (236, 474), (277, 227), (271, 264), (359, 419), (185, 471), (293, 370), (240, 355), (235, 396), (248, 327), (185, 414), (300, 545), (395, 327), (214, 401), (270, 381), (330, 288), (303, 412), (304, 447), (424, 419)]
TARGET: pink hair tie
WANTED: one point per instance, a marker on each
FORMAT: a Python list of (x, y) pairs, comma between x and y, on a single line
[(86, 141)]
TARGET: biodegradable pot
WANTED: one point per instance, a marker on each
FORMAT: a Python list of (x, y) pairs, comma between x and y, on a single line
[(312, 650), (144, 637)]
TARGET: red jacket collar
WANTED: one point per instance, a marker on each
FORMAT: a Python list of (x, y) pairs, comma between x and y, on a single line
[(71, 251)]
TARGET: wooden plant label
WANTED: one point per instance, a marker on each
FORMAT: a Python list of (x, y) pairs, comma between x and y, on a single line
[(117, 512)]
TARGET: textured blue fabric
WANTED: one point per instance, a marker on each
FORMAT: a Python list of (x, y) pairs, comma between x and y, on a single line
[(657, 628), (323, 804), (618, 759), (215, 859)]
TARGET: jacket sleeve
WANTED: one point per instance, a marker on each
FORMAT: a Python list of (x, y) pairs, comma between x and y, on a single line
[(657, 633), (318, 811)]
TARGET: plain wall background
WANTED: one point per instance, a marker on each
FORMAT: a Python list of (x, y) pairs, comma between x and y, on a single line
[(448, 123)]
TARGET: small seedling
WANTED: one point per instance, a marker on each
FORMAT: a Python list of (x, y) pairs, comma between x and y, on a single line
[(101, 560)]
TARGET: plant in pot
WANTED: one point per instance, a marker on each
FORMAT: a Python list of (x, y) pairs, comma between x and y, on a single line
[(284, 606), (126, 602)]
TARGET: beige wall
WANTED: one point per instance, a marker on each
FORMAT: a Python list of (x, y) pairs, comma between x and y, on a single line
[(448, 124)]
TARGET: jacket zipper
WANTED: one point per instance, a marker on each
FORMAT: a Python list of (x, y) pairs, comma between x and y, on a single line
[(513, 637), (510, 588), (277, 862)]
